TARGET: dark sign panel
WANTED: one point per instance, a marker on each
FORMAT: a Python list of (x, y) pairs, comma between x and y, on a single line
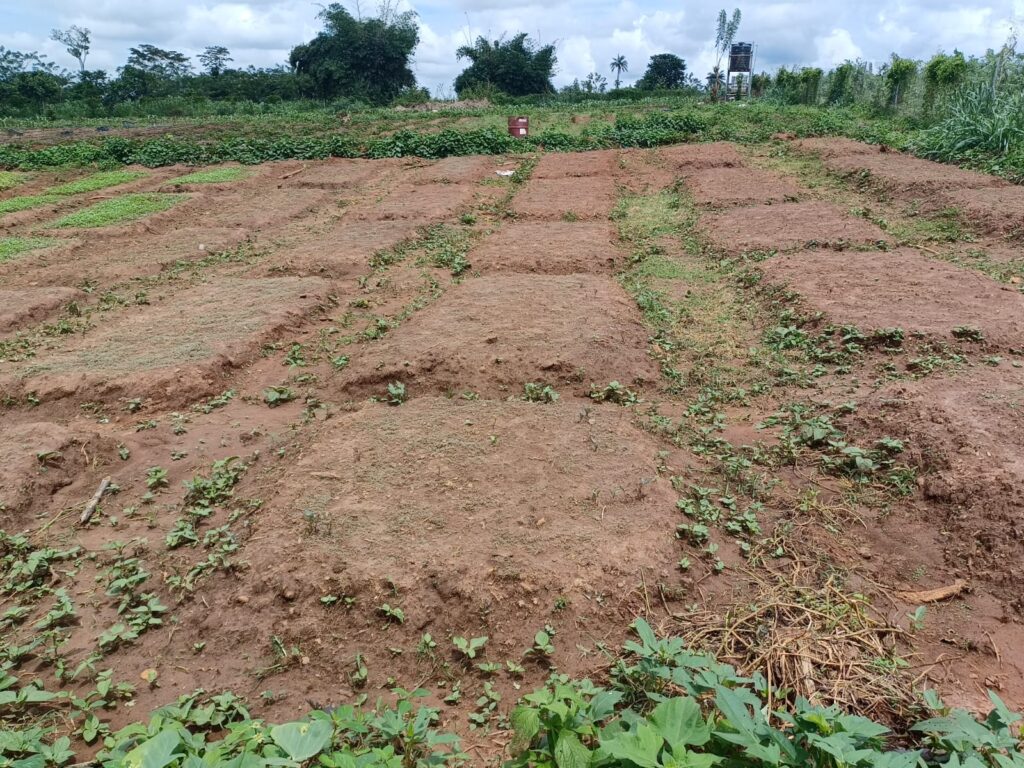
[(740, 57)]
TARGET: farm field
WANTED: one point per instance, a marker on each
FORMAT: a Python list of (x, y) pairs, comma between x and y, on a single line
[(381, 426)]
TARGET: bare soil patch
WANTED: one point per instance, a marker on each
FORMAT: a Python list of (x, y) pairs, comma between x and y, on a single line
[(453, 170), (474, 519), (424, 203), (585, 197), (111, 256), (903, 289), (338, 174), (691, 157), (36, 460), (967, 434), (787, 226), (491, 335), (829, 147), (174, 351), (739, 186), (908, 177), (558, 165), (554, 247), (343, 251), (28, 305), (991, 210)]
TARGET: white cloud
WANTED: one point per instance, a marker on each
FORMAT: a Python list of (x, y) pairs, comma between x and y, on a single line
[(589, 33), (835, 48)]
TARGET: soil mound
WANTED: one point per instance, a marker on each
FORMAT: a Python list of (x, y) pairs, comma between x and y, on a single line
[(739, 186), (690, 157), (554, 248), (903, 289), (788, 226), (909, 177), (29, 305), (991, 210), (558, 165), (570, 198), (491, 335), (828, 147)]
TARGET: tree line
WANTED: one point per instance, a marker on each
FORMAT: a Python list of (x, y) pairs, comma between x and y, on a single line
[(361, 59)]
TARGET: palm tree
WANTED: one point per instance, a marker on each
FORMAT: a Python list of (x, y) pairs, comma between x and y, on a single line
[(715, 81), (619, 65)]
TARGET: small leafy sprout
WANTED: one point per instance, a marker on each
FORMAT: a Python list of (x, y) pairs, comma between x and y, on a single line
[(123, 452), (134, 405), (561, 603), (49, 458), (198, 647), (489, 668), (340, 362), (542, 645), (539, 393), (275, 396), (150, 676), (968, 333), (613, 393), (426, 645), (142, 426), (396, 393), (359, 673), (390, 613), (917, 618), (295, 358), (468, 219), (469, 648), (514, 670), (685, 564), (156, 478)]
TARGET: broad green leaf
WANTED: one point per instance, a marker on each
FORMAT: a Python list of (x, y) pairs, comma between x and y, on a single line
[(640, 746), (301, 741), (680, 722), (156, 752), (570, 753), (526, 724)]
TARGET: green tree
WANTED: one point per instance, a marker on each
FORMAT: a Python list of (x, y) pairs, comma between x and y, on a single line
[(618, 66), (157, 61), (76, 40), (899, 74), (516, 67), (942, 75), (840, 87), (362, 58), (725, 33), (664, 71), (215, 59)]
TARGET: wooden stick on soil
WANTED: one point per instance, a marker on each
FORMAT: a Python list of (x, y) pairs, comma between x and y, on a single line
[(90, 508)]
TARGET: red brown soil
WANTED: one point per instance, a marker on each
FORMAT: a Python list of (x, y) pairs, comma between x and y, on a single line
[(554, 248), (175, 351), (474, 517), (990, 210), (738, 186), (29, 305), (463, 516), (692, 157), (567, 165), (902, 289), (491, 335), (25, 478), (829, 147), (591, 197), (344, 250), (909, 177), (787, 226)]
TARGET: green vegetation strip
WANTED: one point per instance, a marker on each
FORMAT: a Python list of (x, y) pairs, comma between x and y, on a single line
[(25, 202), (15, 246), (213, 176), (661, 706), (95, 181), (118, 210), (9, 179), (87, 184)]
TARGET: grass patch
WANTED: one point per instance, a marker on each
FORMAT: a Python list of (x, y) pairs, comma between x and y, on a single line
[(25, 202), (118, 210), (9, 180), (15, 246), (94, 182), (213, 176)]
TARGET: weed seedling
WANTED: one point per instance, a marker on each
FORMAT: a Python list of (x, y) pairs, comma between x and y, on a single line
[(539, 393), (395, 614), (275, 396), (396, 393), (469, 648)]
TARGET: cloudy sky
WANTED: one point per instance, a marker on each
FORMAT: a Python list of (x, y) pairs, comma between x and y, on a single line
[(588, 32)]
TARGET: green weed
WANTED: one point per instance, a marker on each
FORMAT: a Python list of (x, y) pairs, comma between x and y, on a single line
[(94, 182), (118, 210), (213, 176), (11, 247)]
